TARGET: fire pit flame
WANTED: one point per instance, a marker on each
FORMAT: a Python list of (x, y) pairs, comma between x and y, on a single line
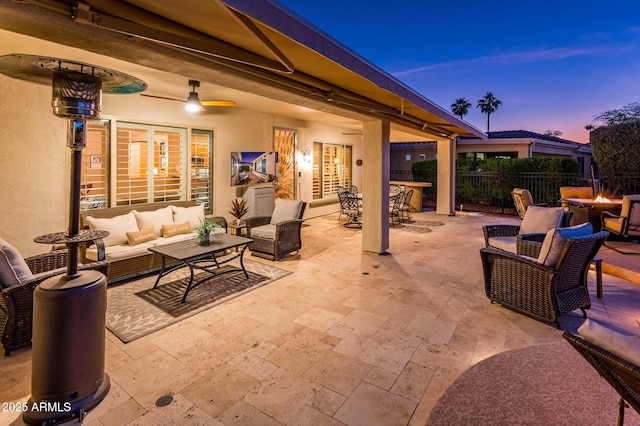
[(601, 199)]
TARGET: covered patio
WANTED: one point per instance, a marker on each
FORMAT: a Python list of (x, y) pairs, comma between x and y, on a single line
[(347, 338)]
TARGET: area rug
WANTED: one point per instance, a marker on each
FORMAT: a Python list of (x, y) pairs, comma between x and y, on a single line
[(136, 309), (417, 226), (549, 384)]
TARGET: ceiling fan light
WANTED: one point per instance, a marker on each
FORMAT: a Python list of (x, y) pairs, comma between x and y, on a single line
[(193, 103)]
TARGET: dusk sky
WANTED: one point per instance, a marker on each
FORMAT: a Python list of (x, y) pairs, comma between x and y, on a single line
[(553, 64)]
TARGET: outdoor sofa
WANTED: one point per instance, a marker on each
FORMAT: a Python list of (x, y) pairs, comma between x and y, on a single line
[(126, 248)]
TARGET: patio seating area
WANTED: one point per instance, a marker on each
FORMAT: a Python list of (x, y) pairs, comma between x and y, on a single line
[(348, 338)]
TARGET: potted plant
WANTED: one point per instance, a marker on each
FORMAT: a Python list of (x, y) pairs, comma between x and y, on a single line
[(238, 209), (204, 230)]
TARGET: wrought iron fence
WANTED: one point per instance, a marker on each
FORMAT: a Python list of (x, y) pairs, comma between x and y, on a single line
[(491, 191)]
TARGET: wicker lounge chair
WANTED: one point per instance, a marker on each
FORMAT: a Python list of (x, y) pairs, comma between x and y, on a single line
[(621, 374), (543, 292), (16, 303), (279, 234)]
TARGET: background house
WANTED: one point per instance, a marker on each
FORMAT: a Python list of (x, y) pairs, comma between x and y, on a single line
[(502, 144)]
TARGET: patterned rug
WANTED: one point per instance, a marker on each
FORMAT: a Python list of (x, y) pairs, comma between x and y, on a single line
[(417, 226), (135, 309)]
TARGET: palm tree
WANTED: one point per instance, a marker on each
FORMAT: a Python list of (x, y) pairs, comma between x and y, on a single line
[(461, 107), (488, 105)]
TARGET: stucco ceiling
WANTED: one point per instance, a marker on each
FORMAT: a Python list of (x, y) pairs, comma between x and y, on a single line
[(282, 66)]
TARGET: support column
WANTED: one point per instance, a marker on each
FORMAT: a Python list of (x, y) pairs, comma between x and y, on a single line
[(446, 192), (375, 186)]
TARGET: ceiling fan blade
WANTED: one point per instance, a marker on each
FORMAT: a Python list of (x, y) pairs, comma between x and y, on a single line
[(217, 103), (220, 103), (161, 97)]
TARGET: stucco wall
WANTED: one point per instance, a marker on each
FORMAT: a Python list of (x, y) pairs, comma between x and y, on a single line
[(34, 158)]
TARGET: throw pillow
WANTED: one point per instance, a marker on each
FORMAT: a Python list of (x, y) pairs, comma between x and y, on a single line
[(539, 220), (556, 239), (117, 226), (13, 268), (194, 215), (285, 210), (175, 229), (626, 347), (141, 236), (155, 219)]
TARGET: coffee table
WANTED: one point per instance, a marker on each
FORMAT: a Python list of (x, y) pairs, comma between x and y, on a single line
[(204, 258)]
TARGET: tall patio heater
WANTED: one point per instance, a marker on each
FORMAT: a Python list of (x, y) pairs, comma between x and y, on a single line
[(68, 377)]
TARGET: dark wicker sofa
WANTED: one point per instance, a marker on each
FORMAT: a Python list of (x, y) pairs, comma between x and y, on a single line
[(16, 303), (138, 265)]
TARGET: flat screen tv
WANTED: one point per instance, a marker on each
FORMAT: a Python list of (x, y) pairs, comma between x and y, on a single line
[(253, 168)]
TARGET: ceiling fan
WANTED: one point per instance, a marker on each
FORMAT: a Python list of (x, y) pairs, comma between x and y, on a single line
[(193, 102)]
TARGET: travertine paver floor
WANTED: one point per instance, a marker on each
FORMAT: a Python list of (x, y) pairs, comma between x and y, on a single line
[(348, 338)]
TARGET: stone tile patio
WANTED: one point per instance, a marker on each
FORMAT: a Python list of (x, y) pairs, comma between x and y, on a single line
[(349, 338)]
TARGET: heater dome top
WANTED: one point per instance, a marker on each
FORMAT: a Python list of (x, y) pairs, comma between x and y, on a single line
[(39, 69)]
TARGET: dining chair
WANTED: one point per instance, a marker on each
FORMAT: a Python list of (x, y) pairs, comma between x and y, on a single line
[(394, 208), (404, 208), (626, 224)]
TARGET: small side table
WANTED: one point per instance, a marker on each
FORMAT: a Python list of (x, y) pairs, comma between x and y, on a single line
[(237, 230)]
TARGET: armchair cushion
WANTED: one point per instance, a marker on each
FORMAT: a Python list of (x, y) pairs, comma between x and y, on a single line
[(194, 215), (541, 219), (556, 239), (506, 243), (13, 268), (285, 210), (117, 226), (268, 232), (155, 219), (626, 347)]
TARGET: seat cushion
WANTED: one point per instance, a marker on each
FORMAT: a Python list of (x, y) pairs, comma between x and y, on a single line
[(626, 347), (509, 244), (13, 268), (539, 220), (194, 215), (285, 210), (556, 239), (266, 232), (155, 219), (117, 226)]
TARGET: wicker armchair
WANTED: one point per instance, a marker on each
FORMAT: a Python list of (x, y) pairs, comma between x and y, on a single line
[(16, 303), (542, 292), (275, 240), (621, 374)]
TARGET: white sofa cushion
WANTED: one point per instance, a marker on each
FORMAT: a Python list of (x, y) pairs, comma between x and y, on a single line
[(285, 210), (194, 215), (155, 219), (556, 239), (117, 226), (13, 268), (267, 232), (539, 220), (626, 347)]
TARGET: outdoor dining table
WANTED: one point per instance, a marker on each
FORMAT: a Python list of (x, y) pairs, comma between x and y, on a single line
[(590, 209)]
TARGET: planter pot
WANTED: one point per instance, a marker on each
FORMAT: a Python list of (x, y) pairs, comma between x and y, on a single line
[(203, 239)]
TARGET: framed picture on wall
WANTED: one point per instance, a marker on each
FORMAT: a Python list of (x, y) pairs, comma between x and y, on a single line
[(96, 161)]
